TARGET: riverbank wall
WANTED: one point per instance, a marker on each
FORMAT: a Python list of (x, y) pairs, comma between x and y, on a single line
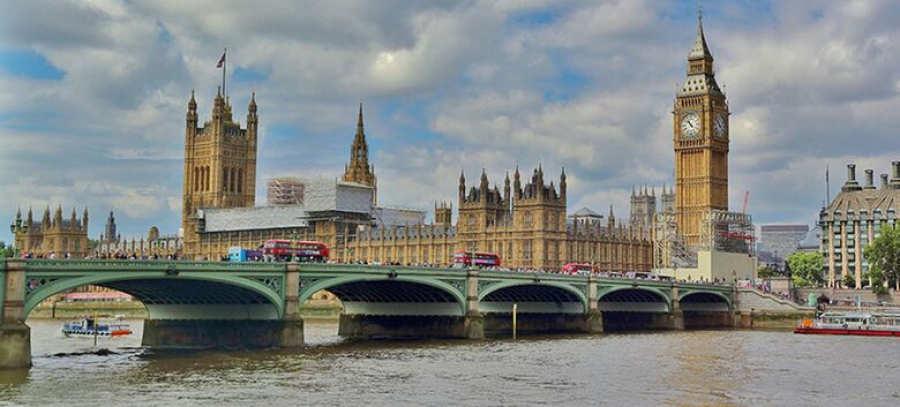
[(756, 309)]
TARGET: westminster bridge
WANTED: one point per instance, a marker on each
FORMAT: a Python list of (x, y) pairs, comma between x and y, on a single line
[(211, 304)]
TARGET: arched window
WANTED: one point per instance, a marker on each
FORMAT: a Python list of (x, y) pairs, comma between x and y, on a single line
[(225, 179), (240, 181), (233, 173), (196, 179), (206, 182)]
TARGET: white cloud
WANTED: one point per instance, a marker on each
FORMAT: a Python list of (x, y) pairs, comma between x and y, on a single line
[(447, 86)]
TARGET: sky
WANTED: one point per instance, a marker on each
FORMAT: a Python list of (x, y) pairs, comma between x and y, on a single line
[(93, 96)]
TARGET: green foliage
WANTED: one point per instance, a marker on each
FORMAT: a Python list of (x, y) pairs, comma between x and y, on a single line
[(766, 272), (883, 255), (849, 281), (806, 268), (877, 282), (6, 251)]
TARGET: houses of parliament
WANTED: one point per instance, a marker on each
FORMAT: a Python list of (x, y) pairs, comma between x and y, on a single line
[(526, 221)]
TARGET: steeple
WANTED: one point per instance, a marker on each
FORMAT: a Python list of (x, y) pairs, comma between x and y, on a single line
[(563, 186), (462, 186), (358, 169), (45, 220), (192, 104), (506, 189), (700, 78), (700, 50)]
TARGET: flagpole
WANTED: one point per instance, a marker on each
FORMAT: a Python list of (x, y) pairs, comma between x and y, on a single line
[(224, 68)]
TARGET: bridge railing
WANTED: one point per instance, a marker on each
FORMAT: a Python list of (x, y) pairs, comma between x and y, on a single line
[(143, 265)]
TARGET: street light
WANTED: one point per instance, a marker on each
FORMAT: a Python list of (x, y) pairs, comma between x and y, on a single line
[(17, 227)]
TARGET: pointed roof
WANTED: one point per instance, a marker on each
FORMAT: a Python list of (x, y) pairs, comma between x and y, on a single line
[(359, 122), (699, 50)]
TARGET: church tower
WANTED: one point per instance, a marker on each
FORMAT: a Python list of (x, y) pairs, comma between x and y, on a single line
[(701, 143), (358, 169), (219, 162)]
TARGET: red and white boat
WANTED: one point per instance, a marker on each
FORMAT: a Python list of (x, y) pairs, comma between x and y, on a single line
[(866, 324)]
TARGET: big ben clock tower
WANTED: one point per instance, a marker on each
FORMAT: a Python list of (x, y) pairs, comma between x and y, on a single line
[(701, 143)]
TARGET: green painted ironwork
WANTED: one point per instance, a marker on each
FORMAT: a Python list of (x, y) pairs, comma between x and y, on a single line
[(45, 277)]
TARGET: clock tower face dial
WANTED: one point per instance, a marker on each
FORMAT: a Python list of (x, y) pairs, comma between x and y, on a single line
[(719, 125), (690, 125)]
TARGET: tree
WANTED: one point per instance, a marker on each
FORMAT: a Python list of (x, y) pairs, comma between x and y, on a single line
[(849, 281), (767, 272), (6, 251), (806, 268), (883, 255)]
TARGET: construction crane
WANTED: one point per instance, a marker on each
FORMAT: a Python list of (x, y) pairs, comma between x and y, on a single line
[(746, 198)]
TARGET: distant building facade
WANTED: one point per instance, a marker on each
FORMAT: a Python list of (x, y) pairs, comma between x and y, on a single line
[(777, 242), (854, 219), (526, 224), (111, 244), (52, 236)]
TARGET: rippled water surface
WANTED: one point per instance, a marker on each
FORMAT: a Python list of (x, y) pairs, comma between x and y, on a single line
[(694, 368)]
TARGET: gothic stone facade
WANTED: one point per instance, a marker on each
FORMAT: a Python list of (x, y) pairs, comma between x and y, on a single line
[(700, 127), (56, 236), (219, 165), (526, 226)]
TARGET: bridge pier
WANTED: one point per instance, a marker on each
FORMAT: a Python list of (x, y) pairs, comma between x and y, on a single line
[(593, 321), (286, 332), (470, 325), (239, 334), (674, 320), (408, 327), (15, 336)]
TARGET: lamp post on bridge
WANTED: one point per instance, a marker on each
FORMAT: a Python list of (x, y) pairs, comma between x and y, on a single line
[(16, 227)]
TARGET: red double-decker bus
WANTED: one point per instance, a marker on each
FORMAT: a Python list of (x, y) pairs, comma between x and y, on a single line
[(578, 268), (482, 259), (307, 252)]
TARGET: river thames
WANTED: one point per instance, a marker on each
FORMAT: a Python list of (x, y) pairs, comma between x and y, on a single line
[(692, 368)]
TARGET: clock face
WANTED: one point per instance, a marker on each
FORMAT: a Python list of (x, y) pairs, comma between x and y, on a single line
[(719, 125), (690, 125)]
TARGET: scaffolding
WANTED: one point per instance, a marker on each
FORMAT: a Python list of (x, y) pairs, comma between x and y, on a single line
[(285, 191), (669, 250), (730, 232)]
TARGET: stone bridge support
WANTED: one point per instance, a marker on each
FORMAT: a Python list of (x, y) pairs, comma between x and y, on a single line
[(674, 319), (593, 321), (15, 336), (227, 332), (468, 323)]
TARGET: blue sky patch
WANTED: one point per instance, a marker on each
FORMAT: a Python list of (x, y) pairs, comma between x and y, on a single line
[(28, 63)]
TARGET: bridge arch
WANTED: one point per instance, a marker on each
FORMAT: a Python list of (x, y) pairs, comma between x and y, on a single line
[(187, 296), (634, 299), (543, 297), (399, 295), (705, 301)]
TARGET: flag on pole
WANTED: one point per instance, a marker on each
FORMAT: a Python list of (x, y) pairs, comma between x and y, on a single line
[(221, 61)]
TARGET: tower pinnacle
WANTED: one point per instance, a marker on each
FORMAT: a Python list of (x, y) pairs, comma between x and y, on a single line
[(358, 169)]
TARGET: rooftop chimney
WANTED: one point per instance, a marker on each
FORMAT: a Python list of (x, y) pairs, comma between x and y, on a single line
[(870, 179), (851, 184), (884, 182), (895, 181)]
